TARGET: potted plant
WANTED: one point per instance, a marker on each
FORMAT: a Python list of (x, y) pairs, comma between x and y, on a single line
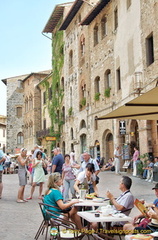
[(107, 92), (97, 96)]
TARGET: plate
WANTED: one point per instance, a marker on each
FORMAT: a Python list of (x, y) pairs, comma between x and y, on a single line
[(120, 215), (99, 200)]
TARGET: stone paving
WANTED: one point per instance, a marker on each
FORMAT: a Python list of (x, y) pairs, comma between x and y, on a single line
[(20, 221)]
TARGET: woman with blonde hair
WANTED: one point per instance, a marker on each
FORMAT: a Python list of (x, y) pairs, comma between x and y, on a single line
[(22, 173), (54, 198)]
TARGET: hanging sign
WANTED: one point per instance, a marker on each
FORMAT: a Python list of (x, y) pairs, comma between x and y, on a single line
[(122, 127)]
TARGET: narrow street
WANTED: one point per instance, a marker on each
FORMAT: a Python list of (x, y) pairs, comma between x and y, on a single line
[(20, 221)]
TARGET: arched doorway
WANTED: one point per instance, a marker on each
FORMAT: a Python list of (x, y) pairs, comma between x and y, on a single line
[(97, 150), (134, 136), (109, 146), (83, 141)]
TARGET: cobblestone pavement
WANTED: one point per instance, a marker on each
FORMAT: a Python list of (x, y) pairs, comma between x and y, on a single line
[(20, 221)]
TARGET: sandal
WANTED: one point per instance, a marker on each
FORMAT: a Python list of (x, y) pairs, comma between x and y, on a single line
[(20, 201), (40, 198), (25, 200), (29, 198)]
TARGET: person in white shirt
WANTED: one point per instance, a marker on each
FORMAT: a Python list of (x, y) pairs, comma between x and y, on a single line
[(86, 178), (117, 156)]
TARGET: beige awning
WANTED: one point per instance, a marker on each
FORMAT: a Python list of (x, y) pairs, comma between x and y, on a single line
[(144, 107)]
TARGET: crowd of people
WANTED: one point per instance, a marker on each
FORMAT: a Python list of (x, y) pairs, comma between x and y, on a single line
[(67, 175)]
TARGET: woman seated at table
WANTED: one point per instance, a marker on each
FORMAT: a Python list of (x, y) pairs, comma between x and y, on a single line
[(85, 179), (54, 197)]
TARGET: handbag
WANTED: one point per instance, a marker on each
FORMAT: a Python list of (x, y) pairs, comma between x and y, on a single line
[(45, 171), (144, 222), (97, 180)]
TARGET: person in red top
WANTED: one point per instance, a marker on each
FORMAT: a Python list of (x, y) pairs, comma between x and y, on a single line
[(134, 159)]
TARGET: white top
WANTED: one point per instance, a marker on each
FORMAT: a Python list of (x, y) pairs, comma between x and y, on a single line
[(84, 164), (81, 176)]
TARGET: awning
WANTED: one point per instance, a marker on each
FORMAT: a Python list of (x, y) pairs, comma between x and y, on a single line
[(144, 107)]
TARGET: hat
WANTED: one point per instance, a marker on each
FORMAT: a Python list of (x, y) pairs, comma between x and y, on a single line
[(156, 186), (54, 149)]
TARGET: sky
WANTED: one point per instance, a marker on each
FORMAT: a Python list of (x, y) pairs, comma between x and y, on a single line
[(23, 48)]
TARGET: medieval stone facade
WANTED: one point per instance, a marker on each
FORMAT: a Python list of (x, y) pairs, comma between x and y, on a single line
[(110, 57)]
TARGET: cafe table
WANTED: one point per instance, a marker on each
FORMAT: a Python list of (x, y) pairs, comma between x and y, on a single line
[(90, 216), (90, 203)]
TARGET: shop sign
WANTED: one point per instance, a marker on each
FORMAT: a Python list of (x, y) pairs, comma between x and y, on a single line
[(122, 127), (50, 138)]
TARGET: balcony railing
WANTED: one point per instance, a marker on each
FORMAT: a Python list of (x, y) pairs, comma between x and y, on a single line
[(43, 133)]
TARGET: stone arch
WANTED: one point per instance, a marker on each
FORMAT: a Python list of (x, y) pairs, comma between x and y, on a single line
[(108, 145), (82, 124), (83, 141), (134, 136)]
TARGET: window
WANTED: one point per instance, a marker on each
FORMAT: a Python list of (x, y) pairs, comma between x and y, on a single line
[(70, 59), (19, 112), (82, 124), (103, 27), (97, 83), (95, 123), (118, 78), (63, 114), (83, 142), (20, 138), (44, 98), (72, 134), (149, 49), (95, 35), (107, 77), (26, 104), (82, 45), (30, 102), (50, 93), (3, 132), (128, 3), (44, 124), (31, 128), (83, 91), (62, 83), (115, 18)]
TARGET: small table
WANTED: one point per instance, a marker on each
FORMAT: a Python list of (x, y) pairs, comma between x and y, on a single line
[(90, 217), (90, 203)]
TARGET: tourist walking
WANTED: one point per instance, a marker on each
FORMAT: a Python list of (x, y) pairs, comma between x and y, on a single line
[(39, 177), (68, 178), (57, 161), (117, 156), (134, 159), (22, 174)]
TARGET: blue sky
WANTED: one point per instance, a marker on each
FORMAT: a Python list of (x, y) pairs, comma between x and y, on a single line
[(23, 49)]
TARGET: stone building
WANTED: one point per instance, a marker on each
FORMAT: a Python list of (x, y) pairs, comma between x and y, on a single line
[(105, 55), (14, 128), (110, 57), (32, 122), (23, 111)]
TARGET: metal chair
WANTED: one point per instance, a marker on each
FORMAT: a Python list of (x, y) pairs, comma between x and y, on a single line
[(45, 224), (65, 229)]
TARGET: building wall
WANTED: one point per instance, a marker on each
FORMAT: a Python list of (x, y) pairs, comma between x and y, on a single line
[(32, 114), (122, 48), (14, 123)]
